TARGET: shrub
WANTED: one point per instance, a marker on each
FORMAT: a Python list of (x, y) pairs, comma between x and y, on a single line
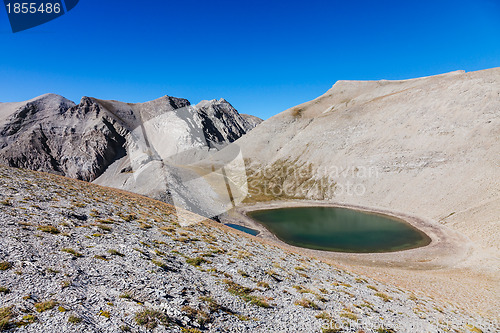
[(4, 290)]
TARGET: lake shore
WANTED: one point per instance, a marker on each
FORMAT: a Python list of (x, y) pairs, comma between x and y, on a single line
[(437, 269)]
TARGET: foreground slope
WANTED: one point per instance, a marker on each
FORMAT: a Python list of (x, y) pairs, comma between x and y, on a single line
[(429, 147), (79, 257)]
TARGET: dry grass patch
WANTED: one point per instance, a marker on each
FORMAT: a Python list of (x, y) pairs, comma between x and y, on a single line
[(306, 303), (45, 306), (49, 229)]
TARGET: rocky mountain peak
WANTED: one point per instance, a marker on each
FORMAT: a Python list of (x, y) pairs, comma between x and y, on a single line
[(51, 133)]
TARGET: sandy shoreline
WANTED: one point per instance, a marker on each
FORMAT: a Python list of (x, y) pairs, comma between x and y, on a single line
[(435, 270)]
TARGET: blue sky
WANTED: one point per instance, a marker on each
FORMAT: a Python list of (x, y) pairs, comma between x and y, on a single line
[(262, 56)]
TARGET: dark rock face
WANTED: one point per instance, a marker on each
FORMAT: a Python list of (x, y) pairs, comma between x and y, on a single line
[(222, 124), (52, 134)]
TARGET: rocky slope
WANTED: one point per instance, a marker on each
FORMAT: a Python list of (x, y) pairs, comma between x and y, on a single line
[(79, 257), (429, 147), (146, 148), (51, 133)]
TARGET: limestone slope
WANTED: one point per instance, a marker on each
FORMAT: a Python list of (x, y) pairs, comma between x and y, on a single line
[(76, 257), (429, 147)]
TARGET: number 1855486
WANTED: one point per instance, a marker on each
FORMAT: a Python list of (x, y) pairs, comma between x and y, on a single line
[(33, 8)]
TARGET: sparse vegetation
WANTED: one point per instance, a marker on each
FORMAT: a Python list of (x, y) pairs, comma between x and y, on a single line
[(101, 257), (200, 316), (72, 252), (160, 264), (105, 314), (474, 329), (150, 318), (349, 315), (126, 295), (383, 296), (104, 227), (27, 319), (244, 294), (115, 253), (45, 306), (307, 303), (5, 265), (6, 314), (385, 330), (49, 229), (190, 330), (263, 284), (74, 319), (212, 304), (196, 261), (145, 226), (324, 315)]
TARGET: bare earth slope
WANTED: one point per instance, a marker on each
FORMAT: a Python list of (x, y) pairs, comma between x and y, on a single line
[(76, 257), (428, 147)]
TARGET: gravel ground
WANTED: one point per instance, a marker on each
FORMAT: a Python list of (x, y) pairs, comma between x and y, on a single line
[(76, 257)]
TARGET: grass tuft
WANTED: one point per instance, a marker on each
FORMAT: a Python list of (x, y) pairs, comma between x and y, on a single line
[(5, 265), (150, 318), (74, 319), (45, 306), (72, 251), (49, 229), (306, 303)]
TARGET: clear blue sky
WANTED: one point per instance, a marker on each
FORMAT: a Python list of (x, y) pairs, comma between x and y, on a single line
[(262, 56)]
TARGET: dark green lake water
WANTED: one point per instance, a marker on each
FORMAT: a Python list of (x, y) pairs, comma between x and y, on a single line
[(244, 229), (340, 229)]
